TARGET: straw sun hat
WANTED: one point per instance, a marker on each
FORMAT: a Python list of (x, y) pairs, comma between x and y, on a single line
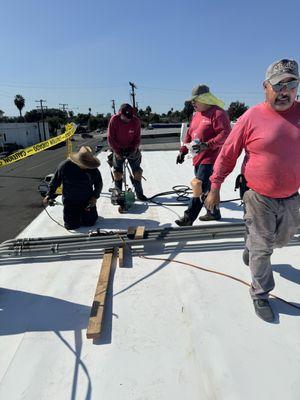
[(84, 158)]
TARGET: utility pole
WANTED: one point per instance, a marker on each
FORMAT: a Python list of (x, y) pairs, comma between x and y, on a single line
[(113, 106), (132, 93), (63, 105), (41, 101)]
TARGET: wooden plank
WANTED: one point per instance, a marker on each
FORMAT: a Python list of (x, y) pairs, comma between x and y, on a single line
[(139, 233), (131, 232), (97, 311), (121, 256), (125, 256)]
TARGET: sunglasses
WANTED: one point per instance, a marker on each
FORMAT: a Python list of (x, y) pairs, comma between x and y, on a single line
[(285, 85)]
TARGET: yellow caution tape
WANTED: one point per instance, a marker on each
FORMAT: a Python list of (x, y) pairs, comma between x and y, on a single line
[(36, 148)]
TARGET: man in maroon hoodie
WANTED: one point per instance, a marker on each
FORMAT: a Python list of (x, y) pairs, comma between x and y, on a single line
[(124, 137)]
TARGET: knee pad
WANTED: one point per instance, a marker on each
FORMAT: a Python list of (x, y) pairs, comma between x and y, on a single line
[(196, 187), (118, 175), (137, 174)]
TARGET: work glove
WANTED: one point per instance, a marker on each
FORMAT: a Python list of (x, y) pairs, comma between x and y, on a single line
[(180, 158), (199, 147), (48, 201)]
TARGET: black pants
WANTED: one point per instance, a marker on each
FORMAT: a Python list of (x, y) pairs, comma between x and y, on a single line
[(76, 214)]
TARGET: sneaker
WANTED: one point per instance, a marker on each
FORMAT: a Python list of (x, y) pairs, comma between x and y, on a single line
[(184, 221), (263, 310), (216, 216), (246, 256), (141, 197)]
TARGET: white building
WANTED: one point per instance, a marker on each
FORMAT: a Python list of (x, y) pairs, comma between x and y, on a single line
[(24, 134)]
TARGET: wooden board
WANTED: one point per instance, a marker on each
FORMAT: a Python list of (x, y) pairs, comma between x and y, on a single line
[(125, 256), (97, 311), (139, 233)]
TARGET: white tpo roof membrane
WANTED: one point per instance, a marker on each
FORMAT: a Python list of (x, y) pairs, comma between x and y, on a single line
[(170, 331)]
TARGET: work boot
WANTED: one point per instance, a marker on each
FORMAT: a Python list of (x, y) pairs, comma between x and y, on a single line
[(211, 216), (246, 256), (118, 185), (141, 197), (184, 221), (263, 310), (139, 190)]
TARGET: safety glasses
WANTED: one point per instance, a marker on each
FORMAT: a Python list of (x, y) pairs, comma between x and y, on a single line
[(285, 85)]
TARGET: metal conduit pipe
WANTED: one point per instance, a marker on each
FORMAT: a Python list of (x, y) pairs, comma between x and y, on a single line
[(83, 242), (110, 242), (158, 234), (56, 248), (123, 234)]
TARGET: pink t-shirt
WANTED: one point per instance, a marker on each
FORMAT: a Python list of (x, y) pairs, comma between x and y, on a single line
[(271, 141), (211, 126)]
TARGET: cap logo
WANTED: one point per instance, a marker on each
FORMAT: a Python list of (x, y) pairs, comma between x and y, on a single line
[(285, 66)]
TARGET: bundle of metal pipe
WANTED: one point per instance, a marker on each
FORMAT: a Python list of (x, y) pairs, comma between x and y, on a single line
[(62, 244)]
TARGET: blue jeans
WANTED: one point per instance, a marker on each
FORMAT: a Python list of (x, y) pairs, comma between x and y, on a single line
[(134, 160), (203, 173)]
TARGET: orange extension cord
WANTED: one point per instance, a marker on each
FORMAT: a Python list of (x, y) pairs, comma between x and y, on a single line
[(217, 273)]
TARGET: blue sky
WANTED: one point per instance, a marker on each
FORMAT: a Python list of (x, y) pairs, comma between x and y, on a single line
[(84, 53)]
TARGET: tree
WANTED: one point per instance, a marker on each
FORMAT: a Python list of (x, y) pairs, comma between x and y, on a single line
[(236, 109), (148, 110), (19, 103), (188, 111)]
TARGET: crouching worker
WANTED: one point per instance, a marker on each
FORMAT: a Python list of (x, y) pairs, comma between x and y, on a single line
[(124, 137), (209, 127), (81, 187)]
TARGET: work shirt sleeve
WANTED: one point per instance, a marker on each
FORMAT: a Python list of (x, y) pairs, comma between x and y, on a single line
[(222, 128), (188, 139), (55, 182), (229, 154), (112, 137), (137, 136), (98, 184)]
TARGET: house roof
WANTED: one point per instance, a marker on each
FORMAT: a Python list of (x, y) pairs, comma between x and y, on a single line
[(171, 331)]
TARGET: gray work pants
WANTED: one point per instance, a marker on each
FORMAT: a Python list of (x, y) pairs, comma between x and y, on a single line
[(269, 223)]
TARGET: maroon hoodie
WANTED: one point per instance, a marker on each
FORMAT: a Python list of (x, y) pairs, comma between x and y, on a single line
[(124, 136)]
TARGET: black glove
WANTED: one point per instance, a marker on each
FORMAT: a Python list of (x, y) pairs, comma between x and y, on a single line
[(199, 147), (180, 158)]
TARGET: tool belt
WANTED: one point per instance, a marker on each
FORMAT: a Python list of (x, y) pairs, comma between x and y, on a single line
[(241, 184)]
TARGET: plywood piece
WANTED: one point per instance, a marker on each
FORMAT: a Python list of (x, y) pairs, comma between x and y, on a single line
[(98, 306)]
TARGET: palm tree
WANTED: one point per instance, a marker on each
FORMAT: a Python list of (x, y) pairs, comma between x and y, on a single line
[(19, 103)]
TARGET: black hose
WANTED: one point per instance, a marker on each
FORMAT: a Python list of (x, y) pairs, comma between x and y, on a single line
[(182, 192)]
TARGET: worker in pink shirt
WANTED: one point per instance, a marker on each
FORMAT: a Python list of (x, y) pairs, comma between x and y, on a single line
[(269, 133), (124, 137), (209, 127)]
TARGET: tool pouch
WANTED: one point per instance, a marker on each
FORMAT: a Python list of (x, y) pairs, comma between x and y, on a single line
[(241, 184)]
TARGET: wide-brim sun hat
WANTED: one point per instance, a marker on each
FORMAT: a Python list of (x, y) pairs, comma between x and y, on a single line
[(84, 158), (202, 94)]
